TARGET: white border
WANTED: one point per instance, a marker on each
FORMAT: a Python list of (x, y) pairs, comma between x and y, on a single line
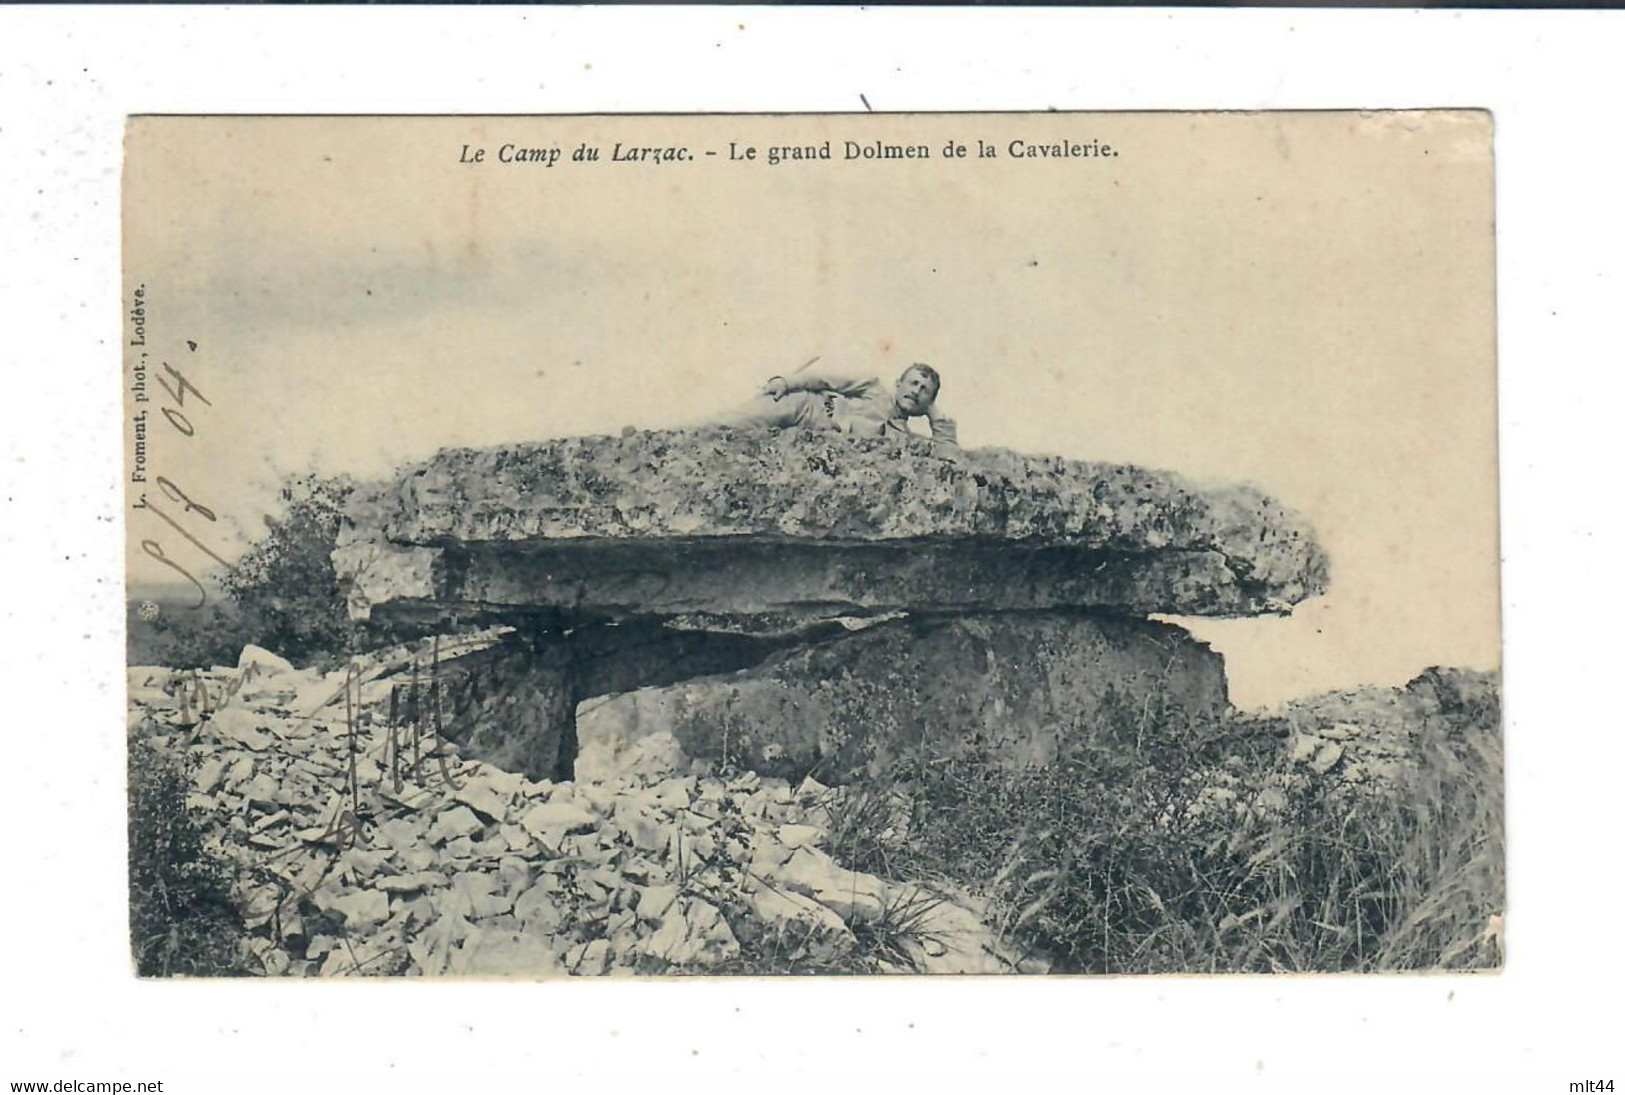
[(68, 77)]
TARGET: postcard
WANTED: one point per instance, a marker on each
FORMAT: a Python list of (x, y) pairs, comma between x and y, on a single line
[(850, 544)]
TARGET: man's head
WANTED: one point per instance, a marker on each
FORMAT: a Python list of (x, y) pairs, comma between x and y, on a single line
[(917, 388)]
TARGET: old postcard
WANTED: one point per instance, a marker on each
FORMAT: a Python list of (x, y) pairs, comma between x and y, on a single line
[(812, 544)]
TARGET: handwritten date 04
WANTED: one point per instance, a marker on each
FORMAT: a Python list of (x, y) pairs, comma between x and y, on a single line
[(178, 392)]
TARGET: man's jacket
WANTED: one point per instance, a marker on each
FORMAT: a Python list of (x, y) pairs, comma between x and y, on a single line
[(865, 405)]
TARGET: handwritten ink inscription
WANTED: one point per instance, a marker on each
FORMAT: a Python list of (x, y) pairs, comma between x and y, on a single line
[(180, 406)]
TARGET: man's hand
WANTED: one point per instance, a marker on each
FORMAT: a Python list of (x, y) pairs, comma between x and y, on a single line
[(777, 388)]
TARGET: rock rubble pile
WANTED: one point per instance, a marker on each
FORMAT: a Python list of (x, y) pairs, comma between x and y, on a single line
[(1371, 737), (357, 858)]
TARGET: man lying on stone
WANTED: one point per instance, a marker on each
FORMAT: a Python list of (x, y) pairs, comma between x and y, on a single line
[(856, 405)]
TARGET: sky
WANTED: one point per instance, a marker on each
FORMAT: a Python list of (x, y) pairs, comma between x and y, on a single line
[(1302, 301)]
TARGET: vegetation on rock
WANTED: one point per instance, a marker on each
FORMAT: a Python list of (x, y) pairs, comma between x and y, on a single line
[(182, 922), (281, 593), (1205, 848)]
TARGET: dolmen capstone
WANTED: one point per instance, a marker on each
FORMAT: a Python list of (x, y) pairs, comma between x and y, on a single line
[(809, 603)]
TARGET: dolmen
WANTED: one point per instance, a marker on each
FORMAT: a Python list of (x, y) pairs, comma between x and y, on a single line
[(806, 603)]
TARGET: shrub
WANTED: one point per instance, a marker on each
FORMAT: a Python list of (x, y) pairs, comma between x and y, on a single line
[(284, 587), (282, 594), (181, 918)]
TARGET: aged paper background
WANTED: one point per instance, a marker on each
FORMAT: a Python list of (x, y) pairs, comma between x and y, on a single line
[(1300, 300)]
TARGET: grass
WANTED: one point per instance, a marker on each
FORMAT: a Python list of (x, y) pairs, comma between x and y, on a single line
[(1117, 859), (796, 948), (800, 948), (903, 924), (182, 922)]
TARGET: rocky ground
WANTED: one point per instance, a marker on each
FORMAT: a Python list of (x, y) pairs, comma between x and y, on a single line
[(352, 860), (360, 847), (1365, 740)]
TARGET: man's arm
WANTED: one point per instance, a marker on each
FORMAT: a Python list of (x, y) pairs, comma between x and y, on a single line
[(944, 431), (825, 380)]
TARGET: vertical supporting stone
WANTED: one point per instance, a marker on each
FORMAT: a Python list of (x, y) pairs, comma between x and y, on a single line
[(558, 660), (1023, 687), (514, 706)]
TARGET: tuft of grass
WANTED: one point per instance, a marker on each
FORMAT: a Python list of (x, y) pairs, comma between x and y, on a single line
[(867, 824), (795, 949), (886, 943), (902, 928)]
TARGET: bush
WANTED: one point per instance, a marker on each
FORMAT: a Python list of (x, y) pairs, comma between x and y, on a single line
[(181, 919), (284, 587), (282, 594), (1179, 846)]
